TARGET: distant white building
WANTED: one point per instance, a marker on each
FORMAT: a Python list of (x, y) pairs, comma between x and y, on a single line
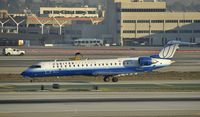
[(70, 12)]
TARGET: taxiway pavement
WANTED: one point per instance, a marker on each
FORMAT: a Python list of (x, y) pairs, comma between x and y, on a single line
[(187, 59), (150, 108)]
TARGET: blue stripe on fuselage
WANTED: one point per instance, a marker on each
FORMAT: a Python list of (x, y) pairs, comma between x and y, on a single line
[(89, 72)]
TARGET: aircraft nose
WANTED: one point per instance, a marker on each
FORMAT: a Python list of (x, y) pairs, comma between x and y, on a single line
[(25, 74)]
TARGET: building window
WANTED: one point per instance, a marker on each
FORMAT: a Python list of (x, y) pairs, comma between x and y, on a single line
[(185, 21), (47, 12), (80, 12), (196, 21), (157, 21), (143, 21), (157, 31), (56, 12), (185, 31), (171, 31), (196, 31), (143, 31), (142, 10), (91, 12), (171, 21), (129, 31), (68, 12), (129, 21)]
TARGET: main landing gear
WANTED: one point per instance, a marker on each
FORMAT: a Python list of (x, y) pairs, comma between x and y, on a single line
[(107, 79)]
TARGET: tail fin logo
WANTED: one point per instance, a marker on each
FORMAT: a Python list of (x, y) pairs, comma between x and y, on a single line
[(168, 51)]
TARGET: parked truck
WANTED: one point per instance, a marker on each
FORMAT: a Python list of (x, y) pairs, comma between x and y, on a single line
[(13, 52)]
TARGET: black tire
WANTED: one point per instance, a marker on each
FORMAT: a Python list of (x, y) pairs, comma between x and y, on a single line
[(8, 54), (114, 79), (21, 54), (106, 79)]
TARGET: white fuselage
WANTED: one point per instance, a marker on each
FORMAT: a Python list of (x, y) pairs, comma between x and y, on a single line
[(93, 67)]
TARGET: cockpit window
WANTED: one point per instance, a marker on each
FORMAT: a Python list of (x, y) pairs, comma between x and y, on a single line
[(35, 66)]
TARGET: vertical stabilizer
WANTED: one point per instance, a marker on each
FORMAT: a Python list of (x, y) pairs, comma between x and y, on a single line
[(168, 51)]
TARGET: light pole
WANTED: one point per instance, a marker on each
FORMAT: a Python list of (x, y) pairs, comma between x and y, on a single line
[(42, 24), (2, 24), (60, 24), (17, 23)]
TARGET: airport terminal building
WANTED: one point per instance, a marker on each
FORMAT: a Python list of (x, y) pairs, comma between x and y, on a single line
[(121, 22), (149, 23)]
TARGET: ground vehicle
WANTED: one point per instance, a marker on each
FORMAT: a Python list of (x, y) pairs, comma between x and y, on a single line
[(13, 51), (88, 42)]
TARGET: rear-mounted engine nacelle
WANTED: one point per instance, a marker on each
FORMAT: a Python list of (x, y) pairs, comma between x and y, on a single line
[(145, 61)]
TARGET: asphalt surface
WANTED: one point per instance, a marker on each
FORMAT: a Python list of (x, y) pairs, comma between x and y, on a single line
[(177, 106), (99, 104), (187, 59), (124, 86)]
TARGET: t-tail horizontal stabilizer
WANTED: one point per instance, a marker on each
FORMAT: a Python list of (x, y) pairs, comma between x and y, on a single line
[(170, 49)]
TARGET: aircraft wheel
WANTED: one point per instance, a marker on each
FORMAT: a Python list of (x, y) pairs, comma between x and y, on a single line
[(106, 79), (21, 54), (114, 79), (8, 54)]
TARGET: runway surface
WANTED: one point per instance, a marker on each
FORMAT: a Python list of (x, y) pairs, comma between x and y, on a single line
[(187, 59), (127, 108), (100, 104), (126, 86)]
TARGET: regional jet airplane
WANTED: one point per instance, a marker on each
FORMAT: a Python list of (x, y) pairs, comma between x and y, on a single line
[(110, 69)]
